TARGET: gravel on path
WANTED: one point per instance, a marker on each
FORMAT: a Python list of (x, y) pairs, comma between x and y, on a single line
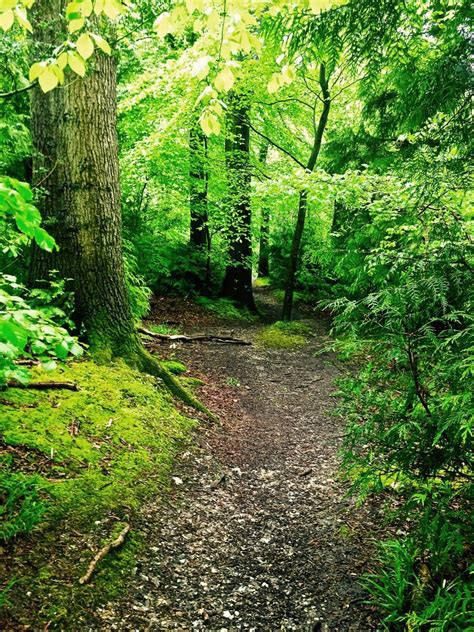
[(257, 532)]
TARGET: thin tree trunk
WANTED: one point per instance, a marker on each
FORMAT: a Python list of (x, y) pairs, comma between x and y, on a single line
[(303, 199), (198, 178), (263, 254), (199, 235), (76, 165), (237, 283)]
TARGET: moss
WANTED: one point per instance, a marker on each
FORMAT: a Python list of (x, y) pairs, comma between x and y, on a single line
[(282, 335), (192, 382), (225, 308), (174, 366), (97, 455), (262, 282), (159, 328)]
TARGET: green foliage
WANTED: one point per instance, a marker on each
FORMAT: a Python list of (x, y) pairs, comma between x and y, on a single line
[(404, 268), (29, 320), (4, 601), (21, 504), (138, 291), (402, 589)]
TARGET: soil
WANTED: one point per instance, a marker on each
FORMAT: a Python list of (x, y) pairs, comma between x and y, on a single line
[(258, 532)]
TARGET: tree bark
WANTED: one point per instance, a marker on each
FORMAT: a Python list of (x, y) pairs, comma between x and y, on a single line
[(303, 199), (263, 254), (76, 165), (237, 283)]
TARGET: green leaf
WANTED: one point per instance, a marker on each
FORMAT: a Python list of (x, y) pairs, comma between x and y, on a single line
[(44, 240)]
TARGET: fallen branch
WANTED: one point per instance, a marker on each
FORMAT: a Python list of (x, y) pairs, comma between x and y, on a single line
[(103, 552), (196, 338), (26, 362), (42, 386)]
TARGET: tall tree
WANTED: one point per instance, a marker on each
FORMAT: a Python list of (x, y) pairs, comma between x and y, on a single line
[(76, 164), (263, 252), (237, 283), (303, 197), (198, 186), (199, 235)]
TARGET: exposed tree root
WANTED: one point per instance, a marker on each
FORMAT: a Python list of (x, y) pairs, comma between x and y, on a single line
[(42, 386), (103, 552), (151, 365), (196, 338)]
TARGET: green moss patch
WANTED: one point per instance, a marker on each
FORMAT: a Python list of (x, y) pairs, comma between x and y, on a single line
[(174, 366), (282, 335), (226, 309), (262, 282), (75, 467)]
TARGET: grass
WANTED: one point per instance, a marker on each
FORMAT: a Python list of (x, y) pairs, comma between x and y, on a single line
[(283, 335), (76, 467), (166, 330)]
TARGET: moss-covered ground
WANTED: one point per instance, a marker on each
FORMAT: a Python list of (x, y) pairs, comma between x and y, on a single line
[(283, 335), (226, 309), (74, 467)]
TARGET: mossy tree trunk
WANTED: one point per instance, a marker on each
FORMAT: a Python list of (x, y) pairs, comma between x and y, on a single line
[(237, 283), (303, 199), (76, 166), (263, 254)]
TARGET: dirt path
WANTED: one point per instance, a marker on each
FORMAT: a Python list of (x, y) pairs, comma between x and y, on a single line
[(256, 534)]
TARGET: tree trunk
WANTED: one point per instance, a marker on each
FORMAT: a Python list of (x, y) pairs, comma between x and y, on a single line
[(199, 235), (76, 165), (237, 283), (263, 254), (198, 178), (303, 199)]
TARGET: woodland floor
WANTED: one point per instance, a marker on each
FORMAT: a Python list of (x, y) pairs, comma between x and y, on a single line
[(257, 533)]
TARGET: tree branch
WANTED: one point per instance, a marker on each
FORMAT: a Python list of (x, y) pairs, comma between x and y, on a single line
[(5, 95), (277, 146)]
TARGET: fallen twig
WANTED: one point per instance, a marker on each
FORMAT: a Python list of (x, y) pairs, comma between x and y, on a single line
[(27, 362), (103, 552), (196, 338), (41, 386)]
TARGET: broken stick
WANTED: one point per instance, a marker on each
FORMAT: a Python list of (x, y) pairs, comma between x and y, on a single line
[(103, 552), (196, 338), (41, 386)]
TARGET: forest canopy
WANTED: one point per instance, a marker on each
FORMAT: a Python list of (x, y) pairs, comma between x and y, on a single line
[(207, 149)]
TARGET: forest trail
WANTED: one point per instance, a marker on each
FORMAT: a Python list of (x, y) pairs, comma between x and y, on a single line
[(256, 533)]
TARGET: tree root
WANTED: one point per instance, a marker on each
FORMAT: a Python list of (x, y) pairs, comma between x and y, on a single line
[(103, 552), (148, 364), (42, 386), (196, 338)]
